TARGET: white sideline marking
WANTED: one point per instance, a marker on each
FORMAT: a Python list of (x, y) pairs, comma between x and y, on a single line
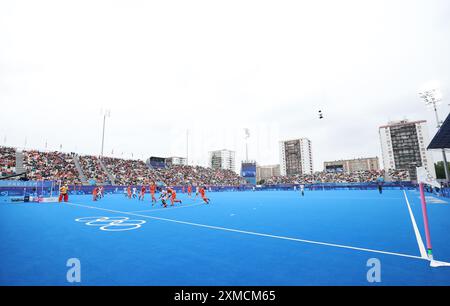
[(436, 264), (351, 198), (423, 252), (254, 233), (168, 208)]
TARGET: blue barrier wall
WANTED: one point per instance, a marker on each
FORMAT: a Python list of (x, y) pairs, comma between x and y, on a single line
[(16, 183), (445, 192), (45, 189)]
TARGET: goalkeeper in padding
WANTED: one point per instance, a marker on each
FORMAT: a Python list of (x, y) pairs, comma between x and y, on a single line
[(63, 193)]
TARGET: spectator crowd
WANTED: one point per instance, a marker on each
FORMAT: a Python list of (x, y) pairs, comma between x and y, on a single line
[(50, 166), (340, 177), (92, 169), (7, 161), (136, 172), (183, 175), (62, 166), (129, 172)]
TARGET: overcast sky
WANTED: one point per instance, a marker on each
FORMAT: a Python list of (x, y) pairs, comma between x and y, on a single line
[(216, 67)]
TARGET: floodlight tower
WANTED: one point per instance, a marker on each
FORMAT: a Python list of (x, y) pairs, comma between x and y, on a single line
[(187, 147), (432, 98), (106, 113), (247, 136)]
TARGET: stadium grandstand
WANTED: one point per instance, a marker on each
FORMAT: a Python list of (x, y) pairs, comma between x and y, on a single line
[(364, 176), (7, 161), (50, 166), (76, 169), (93, 170)]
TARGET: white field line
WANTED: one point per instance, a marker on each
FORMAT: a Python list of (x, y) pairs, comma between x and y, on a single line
[(253, 233), (423, 252)]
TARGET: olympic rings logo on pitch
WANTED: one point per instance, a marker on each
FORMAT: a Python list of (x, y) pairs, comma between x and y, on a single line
[(112, 224)]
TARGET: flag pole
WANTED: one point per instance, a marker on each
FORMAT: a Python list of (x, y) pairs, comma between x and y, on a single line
[(425, 221)]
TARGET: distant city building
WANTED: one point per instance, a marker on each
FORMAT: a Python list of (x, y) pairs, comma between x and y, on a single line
[(403, 146), (296, 157), (176, 161), (266, 172), (352, 165), (222, 159)]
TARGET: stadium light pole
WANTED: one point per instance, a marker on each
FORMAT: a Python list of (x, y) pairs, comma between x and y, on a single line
[(247, 135), (187, 147), (106, 113), (432, 97)]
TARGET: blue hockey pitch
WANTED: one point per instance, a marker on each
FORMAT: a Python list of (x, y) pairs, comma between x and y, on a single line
[(241, 238)]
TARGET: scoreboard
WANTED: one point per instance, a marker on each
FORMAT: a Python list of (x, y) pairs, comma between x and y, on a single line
[(334, 168), (156, 162), (248, 172)]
